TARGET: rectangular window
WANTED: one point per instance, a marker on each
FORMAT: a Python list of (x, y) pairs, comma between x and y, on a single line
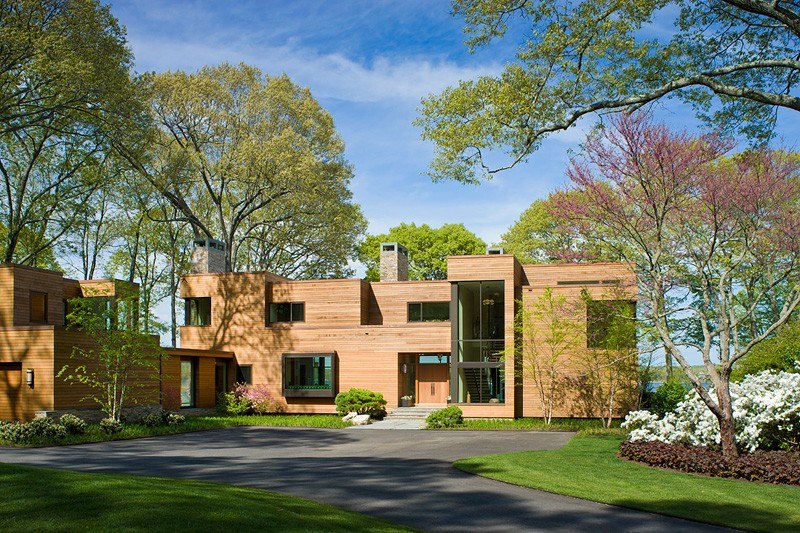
[(188, 382), (428, 311), (244, 374), (309, 375), (611, 324), (287, 312), (38, 307), (198, 311)]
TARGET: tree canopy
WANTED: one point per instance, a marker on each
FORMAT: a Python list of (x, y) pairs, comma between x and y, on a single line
[(255, 161), (428, 248), (538, 237), (714, 239), (734, 61)]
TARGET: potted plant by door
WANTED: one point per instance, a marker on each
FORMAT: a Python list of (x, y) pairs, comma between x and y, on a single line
[(407, 401)]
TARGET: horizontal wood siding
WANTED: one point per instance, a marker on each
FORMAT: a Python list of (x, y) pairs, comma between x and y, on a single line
[(547, 276), (32, 347), (69, 395)]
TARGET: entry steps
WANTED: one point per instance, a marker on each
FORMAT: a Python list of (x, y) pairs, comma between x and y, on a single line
[(418, 412)]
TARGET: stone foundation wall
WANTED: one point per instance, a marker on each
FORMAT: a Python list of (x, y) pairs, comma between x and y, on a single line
[(92, 416)]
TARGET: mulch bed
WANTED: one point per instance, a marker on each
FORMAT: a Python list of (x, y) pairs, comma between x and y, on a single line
[(778, 467)]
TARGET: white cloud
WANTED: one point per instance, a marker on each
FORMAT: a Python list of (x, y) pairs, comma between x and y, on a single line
[(328, 75)]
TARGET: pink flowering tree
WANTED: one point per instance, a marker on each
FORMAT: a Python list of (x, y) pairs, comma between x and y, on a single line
[(713, 239)]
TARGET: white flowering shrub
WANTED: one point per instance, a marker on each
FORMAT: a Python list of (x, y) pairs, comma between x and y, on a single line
[(759, 400)]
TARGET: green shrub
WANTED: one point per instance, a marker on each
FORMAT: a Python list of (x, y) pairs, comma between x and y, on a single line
[(229, 403), (72, 424), (449, 417), (667, 397), (362, 401), (780, 353), (38, 428), (154, 419), (174, 419), (109, 425)]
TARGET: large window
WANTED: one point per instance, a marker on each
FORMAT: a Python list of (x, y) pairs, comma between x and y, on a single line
[(244, 374), (38, 307), (428, 311), (309, 375), (198, 311), (478, 372), (287, 312), (610, 324)]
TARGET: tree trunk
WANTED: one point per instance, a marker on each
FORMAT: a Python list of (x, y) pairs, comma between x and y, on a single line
[(727, 433)]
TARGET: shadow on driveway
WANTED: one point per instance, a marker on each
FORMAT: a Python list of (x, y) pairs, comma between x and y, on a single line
[(402, 476)]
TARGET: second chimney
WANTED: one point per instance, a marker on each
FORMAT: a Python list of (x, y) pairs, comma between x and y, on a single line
[(394, 262)]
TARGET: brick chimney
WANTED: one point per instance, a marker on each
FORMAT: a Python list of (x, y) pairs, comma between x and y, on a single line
[(394, 262), (208, 256)]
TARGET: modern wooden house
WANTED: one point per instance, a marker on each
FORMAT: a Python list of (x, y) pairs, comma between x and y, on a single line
[(438, 342)]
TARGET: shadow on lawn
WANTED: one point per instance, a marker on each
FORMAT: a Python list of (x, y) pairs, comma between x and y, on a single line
[(377, 473)]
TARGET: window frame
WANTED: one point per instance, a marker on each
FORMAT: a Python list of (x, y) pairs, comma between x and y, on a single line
[(188, 310), (292, 307), (421, 305), (247, 380), (30, 308), (599, 340), (310, 393)]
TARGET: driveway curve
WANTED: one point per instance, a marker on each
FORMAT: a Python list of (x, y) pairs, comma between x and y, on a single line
[(406, 477)]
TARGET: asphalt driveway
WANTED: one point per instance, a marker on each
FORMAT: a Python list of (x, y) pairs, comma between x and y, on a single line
[(402, 476)]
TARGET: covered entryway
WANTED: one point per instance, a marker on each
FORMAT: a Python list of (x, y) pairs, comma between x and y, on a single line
[(425, 378)]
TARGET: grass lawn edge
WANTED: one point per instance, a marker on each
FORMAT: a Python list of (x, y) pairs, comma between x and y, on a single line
[(775, 510)]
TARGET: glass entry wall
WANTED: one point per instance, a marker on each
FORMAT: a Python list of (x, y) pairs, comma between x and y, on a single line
[(478, 371)]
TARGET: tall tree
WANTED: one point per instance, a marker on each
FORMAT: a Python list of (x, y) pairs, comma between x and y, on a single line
[(700, 229), (61, 59), (65, 90), (537, 237), (428, 248), (241, 156), (734, 61)]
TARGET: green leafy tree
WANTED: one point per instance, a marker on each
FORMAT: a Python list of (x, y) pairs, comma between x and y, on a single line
[(428, 248), (538, 237), (780, 353), (254, 161), (65, 94), (607, 380), (734, 61), (120, 365), (61, 60), (548, 336)]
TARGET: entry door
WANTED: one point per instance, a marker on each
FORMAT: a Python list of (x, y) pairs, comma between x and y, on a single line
[(432, 379)]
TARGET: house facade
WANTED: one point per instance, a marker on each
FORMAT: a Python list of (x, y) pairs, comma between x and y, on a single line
[(438, 342)]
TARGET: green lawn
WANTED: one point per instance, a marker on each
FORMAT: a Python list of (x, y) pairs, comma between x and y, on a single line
[(587, 467), (44, 499), (531, 424), (198, 423)]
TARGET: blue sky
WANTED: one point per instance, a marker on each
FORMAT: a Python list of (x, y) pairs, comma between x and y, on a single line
[(369, 63)]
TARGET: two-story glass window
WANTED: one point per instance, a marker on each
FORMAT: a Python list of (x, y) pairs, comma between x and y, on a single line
[(287, 312), (478, 369), (428, 311), (198, 311)]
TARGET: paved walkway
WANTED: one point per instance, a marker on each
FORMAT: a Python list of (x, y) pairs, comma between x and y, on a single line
[(402, 476)]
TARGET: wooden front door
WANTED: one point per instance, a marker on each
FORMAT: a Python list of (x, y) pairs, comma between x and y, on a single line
[(433, 383)]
